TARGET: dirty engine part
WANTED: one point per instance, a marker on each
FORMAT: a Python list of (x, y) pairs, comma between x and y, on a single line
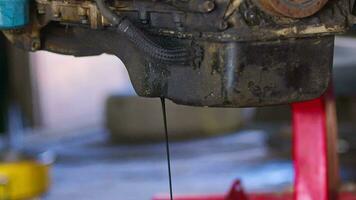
[(221, 53)]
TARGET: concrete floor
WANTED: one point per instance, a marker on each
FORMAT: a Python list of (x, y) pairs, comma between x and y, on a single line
[(87, 167)]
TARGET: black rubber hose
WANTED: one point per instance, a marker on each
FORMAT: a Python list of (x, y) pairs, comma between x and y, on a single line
[(142, 42)]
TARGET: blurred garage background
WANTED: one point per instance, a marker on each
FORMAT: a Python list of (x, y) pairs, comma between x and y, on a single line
[(82, 117)]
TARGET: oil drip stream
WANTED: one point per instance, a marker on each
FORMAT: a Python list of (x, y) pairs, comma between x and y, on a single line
[(163, 102)]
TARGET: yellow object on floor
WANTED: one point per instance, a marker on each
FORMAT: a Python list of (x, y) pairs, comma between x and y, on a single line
[(23, 180)]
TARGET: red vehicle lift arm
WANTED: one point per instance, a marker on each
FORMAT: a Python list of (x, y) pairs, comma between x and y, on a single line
[(314, 153)]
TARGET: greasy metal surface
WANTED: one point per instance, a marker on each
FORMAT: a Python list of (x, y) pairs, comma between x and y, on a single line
[(249, 57), (242, 74), (231, 74), (292, 8), (223, 20)]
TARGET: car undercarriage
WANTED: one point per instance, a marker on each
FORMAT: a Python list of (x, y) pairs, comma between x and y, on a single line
[(218, 53)]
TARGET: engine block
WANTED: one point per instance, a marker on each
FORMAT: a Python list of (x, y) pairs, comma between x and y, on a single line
[(226, 53)]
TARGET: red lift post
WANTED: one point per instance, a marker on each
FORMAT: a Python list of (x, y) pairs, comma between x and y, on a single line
[(314, 153)]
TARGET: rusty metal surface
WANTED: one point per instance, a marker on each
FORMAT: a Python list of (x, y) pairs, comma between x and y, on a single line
[(207, 20), (292, 8), (222, 20)]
